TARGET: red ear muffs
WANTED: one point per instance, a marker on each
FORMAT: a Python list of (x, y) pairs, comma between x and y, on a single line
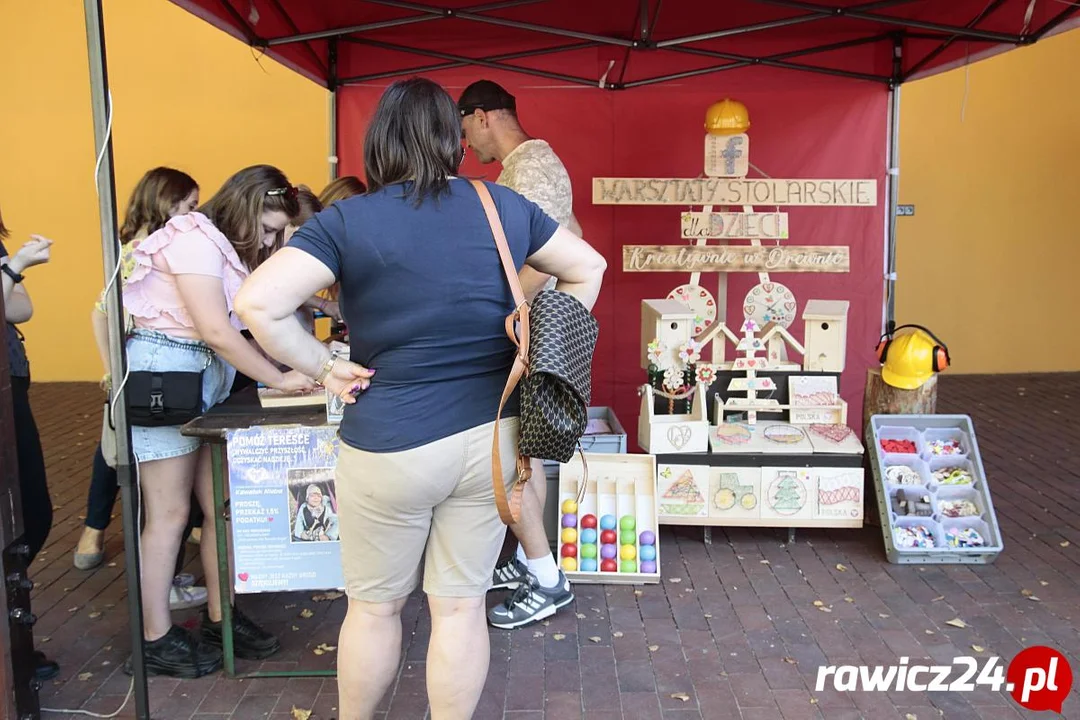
[(941, 359)]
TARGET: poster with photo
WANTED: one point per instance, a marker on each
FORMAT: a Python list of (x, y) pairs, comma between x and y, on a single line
[(284, 509)]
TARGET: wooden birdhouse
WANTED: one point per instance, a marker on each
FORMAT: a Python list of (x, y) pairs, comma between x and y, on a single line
[(825, 340), (668, 321)]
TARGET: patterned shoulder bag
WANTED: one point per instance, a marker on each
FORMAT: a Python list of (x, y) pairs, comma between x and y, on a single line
[(555, 338)]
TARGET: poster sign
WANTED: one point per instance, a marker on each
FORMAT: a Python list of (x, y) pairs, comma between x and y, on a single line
[(283, 506)]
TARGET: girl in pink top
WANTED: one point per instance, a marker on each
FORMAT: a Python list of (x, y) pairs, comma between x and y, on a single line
[(180, 296)]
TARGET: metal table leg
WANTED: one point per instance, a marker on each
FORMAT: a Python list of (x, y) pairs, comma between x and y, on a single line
[(224, 574)]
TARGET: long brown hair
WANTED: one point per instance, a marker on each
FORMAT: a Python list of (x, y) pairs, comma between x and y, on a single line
[(236, 209), (344, 187), (3, 229), (153, 200)]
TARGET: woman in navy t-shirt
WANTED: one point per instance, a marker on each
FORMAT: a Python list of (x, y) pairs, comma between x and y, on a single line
[(425, 299)]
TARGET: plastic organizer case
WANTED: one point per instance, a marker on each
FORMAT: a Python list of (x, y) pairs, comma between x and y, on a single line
[(932, 491)]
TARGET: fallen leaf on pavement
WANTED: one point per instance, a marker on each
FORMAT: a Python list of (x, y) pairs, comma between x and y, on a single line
[(957, 622), (939, 597), (85, 676), (841, 567), (708, 615), (1064, 544), (331, 595), (580, 616), (299, 714), (305, 613), (595, 639), (882, 615), (654, 648), (680, 696), (558, 636), (675, 580), (850, 600), (764, 562), (818, 603), (1026, 593), (978, 648), (789, 660), (639, 593), (616, 634), (1043, 583), (94, 615)]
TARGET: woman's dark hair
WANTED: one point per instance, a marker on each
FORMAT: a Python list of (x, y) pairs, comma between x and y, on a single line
[(153, 199), (236, 209), (415, 135), (3, 230)]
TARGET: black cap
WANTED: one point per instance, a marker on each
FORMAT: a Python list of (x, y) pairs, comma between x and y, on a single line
[(485, 95)]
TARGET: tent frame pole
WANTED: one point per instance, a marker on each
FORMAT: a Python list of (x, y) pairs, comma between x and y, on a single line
[(332, 110), (893, 181), (106, 186)]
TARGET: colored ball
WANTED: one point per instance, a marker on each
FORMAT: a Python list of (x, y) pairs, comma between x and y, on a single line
[(588, 550), (569, 520), (627, 537), (608, 537), (627, 522), (609, 566), (569, 535), (648, 566), (569, 564), (588, 521), (588, 564), (647, 552), (568, 550), (628, 552), (608, 522), (569, 506), (628, 566), (608, 552), (648, 537), (588, 535)]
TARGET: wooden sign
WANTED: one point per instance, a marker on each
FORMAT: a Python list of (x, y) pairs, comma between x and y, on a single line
[(738, 191), (735, 225), (727, 155), (703, 258)]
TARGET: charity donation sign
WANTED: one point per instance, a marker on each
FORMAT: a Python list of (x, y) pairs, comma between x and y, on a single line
[(283, 508)]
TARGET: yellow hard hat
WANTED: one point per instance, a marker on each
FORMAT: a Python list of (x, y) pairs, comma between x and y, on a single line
[(910, 358), (727, 117)]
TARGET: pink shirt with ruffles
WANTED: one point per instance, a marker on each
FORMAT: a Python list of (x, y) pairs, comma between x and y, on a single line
[(187, 245)]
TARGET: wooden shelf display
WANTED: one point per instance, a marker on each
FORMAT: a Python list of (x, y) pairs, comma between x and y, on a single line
[(619, 487), (768, 496)]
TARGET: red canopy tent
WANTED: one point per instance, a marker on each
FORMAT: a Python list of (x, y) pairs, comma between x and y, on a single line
[(821, 80)]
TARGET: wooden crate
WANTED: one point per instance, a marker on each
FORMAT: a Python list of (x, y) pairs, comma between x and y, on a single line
[(658, 433), (618, 485)]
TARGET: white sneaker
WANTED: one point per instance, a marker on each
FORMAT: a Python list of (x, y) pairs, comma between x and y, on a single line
[(183, 598)]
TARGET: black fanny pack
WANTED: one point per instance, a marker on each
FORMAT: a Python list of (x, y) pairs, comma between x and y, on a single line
[(162, 399)]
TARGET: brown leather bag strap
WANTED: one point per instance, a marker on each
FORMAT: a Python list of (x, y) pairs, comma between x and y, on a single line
[(517, 329)]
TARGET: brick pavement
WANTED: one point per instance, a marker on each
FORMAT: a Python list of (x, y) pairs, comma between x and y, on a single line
[(732, 631)]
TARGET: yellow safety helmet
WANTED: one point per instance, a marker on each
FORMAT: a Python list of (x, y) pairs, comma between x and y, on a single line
[(910, 358), (727, 117)]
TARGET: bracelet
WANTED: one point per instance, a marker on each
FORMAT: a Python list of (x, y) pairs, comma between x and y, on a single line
[(327, 367), (15, 277)]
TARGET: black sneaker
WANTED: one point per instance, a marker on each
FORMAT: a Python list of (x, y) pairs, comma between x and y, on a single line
[(250, 641), (531, 603), (179, 654), (509, 575), (44, 668)]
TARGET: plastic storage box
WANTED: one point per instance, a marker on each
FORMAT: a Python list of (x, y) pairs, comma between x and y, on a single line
[(947, 469)]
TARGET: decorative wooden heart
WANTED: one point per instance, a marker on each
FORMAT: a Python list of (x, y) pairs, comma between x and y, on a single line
[(789, 306), (768, 287), (748, 310), (678, 436)]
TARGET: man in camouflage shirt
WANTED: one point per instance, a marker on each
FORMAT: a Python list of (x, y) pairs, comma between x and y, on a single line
[(490, 126)]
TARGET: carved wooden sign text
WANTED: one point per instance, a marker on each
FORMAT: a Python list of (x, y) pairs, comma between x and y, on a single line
[(692, 258), (733, 191), (735, 225)]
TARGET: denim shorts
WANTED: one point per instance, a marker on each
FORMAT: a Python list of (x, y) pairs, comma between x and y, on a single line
[(156, 352)]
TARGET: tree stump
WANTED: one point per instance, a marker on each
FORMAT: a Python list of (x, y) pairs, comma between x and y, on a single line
[(884, 399)]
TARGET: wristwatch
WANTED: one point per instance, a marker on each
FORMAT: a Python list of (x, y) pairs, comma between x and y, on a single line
[(15, 277)]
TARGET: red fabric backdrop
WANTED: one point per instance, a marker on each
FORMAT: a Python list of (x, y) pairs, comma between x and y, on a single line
[(803, 126)]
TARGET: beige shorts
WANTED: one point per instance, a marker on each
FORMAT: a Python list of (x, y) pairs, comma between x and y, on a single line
[(434, 502)]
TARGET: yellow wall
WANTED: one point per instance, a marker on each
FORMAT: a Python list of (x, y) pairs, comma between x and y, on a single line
[(184, 94), (989, 261)]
